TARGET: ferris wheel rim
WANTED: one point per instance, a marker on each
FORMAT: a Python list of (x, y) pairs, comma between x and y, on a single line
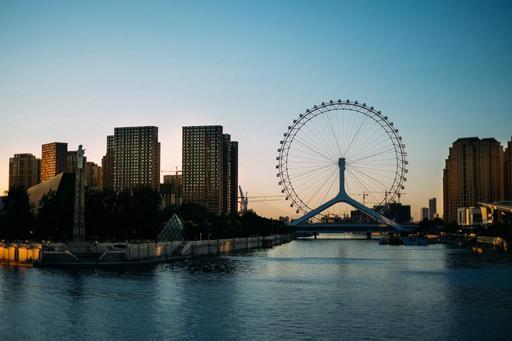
[(353, 106)]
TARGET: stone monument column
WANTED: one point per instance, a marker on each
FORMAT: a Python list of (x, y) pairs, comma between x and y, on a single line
[(79, 211)]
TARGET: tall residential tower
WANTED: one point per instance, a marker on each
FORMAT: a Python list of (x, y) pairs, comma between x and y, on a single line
[(53, 159), (136, 157), (210, 168), (508, 171), (24, 170), (473, 173)]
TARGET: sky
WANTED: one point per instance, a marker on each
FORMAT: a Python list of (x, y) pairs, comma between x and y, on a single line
[(71, 71)]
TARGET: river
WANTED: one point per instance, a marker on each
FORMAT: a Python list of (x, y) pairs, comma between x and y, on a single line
[(307, 289)]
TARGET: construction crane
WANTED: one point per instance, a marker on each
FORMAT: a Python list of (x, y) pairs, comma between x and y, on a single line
[(244, 199), (170, 171)]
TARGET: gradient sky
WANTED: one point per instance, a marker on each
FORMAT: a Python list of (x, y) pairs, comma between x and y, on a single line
[(71, 71)]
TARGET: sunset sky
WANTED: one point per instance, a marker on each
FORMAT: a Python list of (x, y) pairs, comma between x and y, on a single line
[(72, 71)]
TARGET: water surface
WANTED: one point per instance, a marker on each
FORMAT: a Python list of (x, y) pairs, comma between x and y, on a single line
[(306, 289)]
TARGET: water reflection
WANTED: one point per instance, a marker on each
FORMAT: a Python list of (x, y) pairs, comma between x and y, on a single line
[(211, 264), (324, 289)]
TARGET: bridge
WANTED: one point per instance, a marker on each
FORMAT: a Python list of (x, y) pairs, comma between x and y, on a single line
[(384, 224)]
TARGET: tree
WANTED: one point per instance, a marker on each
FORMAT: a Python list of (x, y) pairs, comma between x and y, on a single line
[(55, 216), (17, 220)]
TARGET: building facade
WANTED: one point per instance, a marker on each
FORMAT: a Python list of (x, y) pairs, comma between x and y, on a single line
[(136, 157), (234, 178), (93, 175), (424, 213), (432, 208), (210, 172), (107, 164), (53, 159), (508, 171), (473, 173), (171, 190), (24, 170)]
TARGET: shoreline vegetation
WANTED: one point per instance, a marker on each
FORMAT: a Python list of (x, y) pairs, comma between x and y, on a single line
[(137, 214), (134, 214)]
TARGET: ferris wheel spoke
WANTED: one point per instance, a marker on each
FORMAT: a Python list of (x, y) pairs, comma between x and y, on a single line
[(362, 185), (329, 191), (333, 134), (375, 163), (354, 138), (379, 152), (306, 167), (374, 169), (373, 137), (318, 188), (376, 181), (313, 150), (320, 137), (299, 175), (307, 155)]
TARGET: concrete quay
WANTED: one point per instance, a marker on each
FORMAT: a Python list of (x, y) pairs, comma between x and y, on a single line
[(93, 254)]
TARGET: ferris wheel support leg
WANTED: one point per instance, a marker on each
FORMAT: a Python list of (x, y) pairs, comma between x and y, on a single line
[(314, 212), (344, 197), (374, 214)]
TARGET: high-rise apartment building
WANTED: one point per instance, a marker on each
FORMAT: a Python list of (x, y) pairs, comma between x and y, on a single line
[(508, 171), (473, 173), (53, 159), (136, 157), (234, 177), (107, 164), (432, 208), (24, 170), (209, 170)]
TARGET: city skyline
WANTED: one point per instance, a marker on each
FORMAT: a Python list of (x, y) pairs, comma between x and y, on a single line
[(449, 79)]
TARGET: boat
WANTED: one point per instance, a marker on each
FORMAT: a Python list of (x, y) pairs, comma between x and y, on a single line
[(391, 240), (414, 240), (384, 241)]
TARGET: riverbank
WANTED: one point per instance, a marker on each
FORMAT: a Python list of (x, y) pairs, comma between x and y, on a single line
[(125, 254)]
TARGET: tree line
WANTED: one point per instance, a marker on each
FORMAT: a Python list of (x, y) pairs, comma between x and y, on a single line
[(133, 214)]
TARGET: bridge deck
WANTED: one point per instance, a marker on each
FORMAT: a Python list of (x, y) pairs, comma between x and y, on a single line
[(345, 228)]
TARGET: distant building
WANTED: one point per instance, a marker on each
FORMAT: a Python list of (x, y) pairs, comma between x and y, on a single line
[(210, 168), (473, 173), (53, 159), (24, 170), (93, 175), (432, 208), (424, 213), (234, 177), (136, 157), (72, 161), (172, 189), (472, 216), (508, 171), (107, 164), (399, 213)]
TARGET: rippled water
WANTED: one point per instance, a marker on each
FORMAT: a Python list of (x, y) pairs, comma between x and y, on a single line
[(323, 289)]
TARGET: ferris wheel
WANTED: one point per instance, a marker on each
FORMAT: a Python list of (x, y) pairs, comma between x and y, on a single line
[(341, 141)]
